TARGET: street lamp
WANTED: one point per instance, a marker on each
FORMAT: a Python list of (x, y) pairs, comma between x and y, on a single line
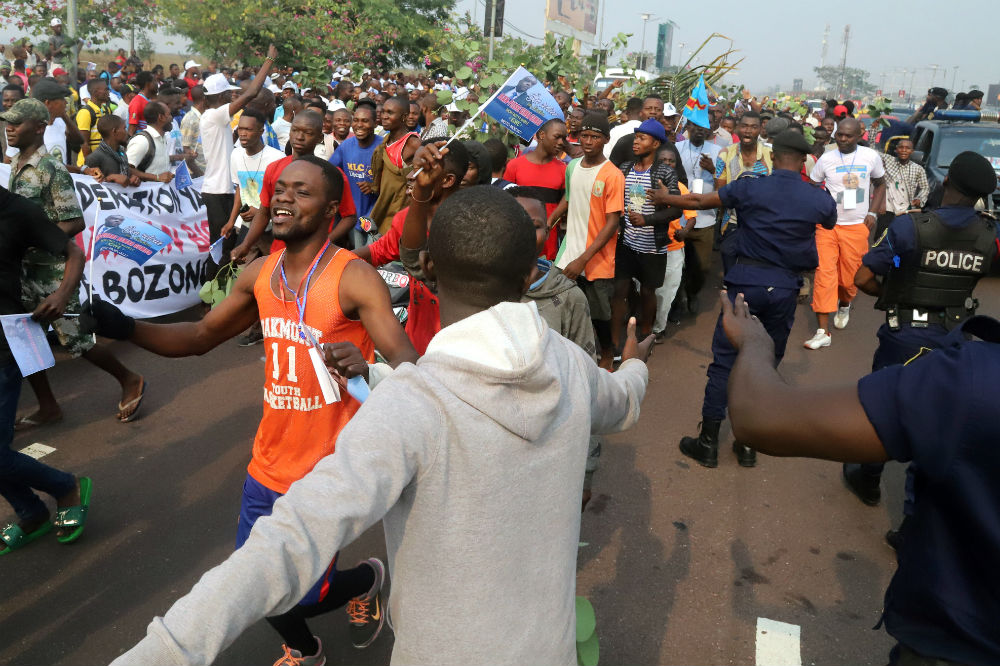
[(680, 54), (642, 52)]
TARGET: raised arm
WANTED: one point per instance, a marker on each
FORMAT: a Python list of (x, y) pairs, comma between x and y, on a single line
[(363, 292), (256, 85)]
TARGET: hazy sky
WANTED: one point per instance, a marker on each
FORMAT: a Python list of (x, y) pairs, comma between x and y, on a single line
[(896, 35)]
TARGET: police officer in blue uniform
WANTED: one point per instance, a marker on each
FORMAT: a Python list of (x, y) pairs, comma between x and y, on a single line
[(943, 603), (929, 264), (773, 245)]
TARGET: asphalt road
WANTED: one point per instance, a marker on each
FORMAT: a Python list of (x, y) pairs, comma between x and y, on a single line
[(680, 562)]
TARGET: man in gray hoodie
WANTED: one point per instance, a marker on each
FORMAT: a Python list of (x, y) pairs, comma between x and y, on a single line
[(499, 402)]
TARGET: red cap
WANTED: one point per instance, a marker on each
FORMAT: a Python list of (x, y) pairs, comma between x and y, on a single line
[(839, 110), (58, 71)]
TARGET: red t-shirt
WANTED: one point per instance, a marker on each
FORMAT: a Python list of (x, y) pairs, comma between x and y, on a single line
[(550, 176), (191, 83), (137, 111), (423, 318), (271, 174)]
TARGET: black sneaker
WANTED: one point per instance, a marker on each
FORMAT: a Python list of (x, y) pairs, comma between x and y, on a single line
[(366, 613)]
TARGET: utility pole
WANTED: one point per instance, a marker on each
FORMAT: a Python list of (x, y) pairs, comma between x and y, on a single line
[(843, 62), (934, 69), (493, 27), (600, 37), (642, 52), (74, 49), (954, 75), (913, 75), (822, 55)]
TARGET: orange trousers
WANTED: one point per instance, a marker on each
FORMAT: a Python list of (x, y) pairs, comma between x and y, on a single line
[(840, 251)]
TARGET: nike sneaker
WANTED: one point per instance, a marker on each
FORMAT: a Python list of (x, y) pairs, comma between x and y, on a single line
[(295, 658), (366, 612), (842, 317), (821, 339)]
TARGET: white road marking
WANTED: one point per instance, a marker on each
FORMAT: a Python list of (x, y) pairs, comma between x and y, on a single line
[(37, 450), (777, 643)]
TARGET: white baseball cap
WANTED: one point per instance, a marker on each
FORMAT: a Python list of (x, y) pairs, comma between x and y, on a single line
[(217, 84), (189, 64), (669, 109), (54, 22)]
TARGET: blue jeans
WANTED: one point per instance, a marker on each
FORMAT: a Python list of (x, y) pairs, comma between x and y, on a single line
[(20, 473)]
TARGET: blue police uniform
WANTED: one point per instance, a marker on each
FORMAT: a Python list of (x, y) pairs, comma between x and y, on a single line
[(938, 412), (898, 246), (774, 243)]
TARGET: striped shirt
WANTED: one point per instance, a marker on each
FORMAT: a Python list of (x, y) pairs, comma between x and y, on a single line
[(640, 239)]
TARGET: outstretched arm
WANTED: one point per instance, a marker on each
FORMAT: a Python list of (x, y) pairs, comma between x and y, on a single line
[(235, 314), (363, 293), (255, 86), (289, 550), (784, 420)]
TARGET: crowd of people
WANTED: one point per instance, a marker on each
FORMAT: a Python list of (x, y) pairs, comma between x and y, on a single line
[(542, 273)]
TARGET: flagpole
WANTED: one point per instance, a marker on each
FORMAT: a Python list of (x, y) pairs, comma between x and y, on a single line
[(90, 269), (467, 123)]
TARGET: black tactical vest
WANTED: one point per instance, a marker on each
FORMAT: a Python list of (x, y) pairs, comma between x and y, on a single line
[(948, 264)]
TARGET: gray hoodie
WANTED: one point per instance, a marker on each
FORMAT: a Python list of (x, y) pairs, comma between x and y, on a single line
[(563, 306), (473, 458)]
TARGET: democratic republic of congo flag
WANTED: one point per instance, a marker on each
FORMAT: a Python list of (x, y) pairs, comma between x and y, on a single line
[(696, 109)]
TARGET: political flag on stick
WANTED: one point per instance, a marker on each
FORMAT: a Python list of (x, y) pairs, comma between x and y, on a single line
[(182, 178), (696, 109), (522, 105)]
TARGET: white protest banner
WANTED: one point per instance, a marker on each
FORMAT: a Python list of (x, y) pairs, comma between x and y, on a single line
[(169, 280)]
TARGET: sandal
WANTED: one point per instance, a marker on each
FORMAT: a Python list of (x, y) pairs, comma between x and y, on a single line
[(136, 402), (14, 537), (74, 516)]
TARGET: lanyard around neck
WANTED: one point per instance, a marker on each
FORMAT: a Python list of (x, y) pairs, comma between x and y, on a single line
[(300, 301)]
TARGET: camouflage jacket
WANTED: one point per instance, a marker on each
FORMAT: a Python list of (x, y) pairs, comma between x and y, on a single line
[(45, 181)]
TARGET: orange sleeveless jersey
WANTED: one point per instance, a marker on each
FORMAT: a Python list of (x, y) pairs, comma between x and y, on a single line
[(298, 428)]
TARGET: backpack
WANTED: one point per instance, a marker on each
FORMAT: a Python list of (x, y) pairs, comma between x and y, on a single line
[(150, 150)]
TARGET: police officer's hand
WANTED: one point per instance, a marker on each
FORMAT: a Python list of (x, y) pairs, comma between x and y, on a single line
[(741, 327), (633, 348), (658, 196)]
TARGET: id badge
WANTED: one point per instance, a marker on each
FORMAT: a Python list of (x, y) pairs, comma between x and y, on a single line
[(331, 392), (697, 186), (850, 199)]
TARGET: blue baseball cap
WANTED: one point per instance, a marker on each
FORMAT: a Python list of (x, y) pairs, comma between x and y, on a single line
[(653, 128)]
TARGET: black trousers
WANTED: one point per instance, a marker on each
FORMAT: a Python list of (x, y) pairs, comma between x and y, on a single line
[(218, 208)]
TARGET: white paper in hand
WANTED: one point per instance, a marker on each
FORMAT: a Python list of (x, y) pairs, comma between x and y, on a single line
[(331, 392), (27, 342)]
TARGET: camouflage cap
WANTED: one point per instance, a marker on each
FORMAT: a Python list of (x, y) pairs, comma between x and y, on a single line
[(26, 109)]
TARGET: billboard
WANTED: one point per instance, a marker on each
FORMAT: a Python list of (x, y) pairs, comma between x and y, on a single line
[(664, 45), (572, 18)]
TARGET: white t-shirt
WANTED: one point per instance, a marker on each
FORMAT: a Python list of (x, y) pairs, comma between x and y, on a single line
[(282, 128), (617, 132), (247, 173), (55, 140), (217, 141), (850, 173), (691, 158), (138, 147)]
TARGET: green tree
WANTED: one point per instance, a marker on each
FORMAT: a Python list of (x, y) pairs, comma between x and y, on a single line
[(314, 35), (845, 81), (98, 21)]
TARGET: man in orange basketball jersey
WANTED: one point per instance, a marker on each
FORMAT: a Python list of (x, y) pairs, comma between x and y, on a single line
[(312, 292)]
